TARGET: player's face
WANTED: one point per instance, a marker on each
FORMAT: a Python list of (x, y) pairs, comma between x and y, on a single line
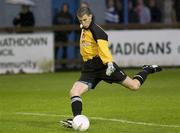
[(85, 20)]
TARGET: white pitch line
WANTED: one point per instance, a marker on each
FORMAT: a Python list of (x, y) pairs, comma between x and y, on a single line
[(102, 119)]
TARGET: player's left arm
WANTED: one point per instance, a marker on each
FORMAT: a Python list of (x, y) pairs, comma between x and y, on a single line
[(104, 52), (106, 56), (102, 41)]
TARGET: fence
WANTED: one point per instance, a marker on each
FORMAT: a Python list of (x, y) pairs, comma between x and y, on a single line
[(77, 61)]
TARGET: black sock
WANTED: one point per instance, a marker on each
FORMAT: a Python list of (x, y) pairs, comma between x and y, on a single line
[(76, 105), (141, 76)]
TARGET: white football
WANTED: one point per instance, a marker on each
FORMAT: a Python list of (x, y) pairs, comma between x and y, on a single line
[(80, 123)]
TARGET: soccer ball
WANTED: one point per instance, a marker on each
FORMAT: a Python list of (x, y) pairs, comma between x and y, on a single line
[(80, 123)]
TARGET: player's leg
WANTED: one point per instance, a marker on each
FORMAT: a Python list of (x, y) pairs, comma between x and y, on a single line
[(87, 81), (139, 78), (118, 76), (75, 93), (76, 102), (132, 84)]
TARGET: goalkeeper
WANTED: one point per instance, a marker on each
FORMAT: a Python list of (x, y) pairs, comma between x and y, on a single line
[(98, 64)]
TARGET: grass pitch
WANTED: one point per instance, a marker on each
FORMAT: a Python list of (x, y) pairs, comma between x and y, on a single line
[(36, 103)]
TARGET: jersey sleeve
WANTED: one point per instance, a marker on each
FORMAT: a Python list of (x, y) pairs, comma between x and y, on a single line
[(102, 41)]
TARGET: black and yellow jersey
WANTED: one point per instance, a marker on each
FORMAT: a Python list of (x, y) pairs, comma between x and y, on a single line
[(94, 43)]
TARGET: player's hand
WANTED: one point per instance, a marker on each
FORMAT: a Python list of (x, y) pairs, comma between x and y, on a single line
[(110, 68)]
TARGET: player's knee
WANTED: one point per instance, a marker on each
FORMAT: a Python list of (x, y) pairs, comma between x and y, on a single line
[(135, 87), (78, 89), (74, 92)]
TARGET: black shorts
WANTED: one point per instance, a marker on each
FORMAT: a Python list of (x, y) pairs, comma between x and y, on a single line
[(93, 71)]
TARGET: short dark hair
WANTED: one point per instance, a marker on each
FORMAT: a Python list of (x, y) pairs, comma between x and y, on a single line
[(82, 11)]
